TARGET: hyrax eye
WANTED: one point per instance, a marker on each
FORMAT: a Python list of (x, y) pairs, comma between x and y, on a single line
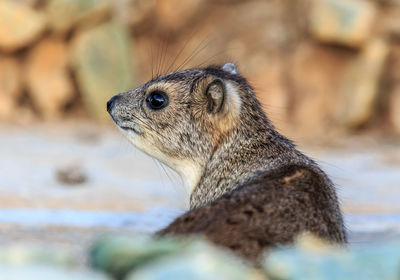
[(157, 100)]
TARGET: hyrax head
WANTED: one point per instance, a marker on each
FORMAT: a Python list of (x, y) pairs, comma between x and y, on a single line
[(181, 118)]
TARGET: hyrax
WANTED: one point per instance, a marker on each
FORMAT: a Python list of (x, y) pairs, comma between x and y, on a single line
[(250, 188)]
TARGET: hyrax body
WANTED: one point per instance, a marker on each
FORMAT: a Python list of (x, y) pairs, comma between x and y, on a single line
[(250, 188)]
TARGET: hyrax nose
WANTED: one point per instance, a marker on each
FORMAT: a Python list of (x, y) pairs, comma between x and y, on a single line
[(110, 103)]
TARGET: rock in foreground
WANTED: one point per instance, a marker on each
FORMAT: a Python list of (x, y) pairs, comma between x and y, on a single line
[(313, 259), (149, 258)]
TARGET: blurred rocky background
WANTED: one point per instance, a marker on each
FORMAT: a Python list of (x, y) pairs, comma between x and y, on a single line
[(326, 71), (322, 68)]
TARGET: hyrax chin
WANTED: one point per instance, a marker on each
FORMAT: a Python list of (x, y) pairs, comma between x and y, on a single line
[(250, 188)]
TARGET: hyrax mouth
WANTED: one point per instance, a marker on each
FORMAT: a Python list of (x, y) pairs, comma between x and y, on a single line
[(130, 127), (123, 121), (126, 123)]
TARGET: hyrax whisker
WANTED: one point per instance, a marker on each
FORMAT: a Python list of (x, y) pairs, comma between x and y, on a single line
[(199, 48), (148, 127)]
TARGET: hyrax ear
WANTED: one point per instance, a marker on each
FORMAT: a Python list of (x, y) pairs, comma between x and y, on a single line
[(223, 103), (220, 99), (230, 67), (215, 93)]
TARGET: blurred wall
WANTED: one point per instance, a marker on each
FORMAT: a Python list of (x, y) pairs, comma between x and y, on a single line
[(320, 67)]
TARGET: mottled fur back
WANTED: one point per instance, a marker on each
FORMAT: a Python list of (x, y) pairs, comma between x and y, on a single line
[(271, 209)]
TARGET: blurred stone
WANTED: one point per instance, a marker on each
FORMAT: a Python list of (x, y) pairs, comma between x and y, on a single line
[(25, 115), (19, 25), (200, 261), (391, 21), (392, 80), (135, 12), (267, 72), (47, 77), (175, 14), (312, 259), (10, 86), (32, 272), (166, 258), (31, 3), (71, 175), (65, 14), (347, 22), (360, 85), (117, 255), (264, 27), (315, 74), (395, 3), (395, 109), (102, 63)]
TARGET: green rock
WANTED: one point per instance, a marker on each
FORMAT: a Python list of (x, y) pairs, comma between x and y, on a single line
[(367, 262), (101, 58), (360, 84), (200, 261), (117, 255), (166, 258), (345, 22), (66, 14)]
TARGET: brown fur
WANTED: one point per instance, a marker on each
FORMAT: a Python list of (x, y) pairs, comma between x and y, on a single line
[(250, 188)]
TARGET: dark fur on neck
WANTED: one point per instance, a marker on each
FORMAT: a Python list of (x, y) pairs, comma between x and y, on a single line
[(252, 147)]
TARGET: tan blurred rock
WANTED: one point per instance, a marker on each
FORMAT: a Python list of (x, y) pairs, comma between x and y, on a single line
[(47, 77), (392, 85), (135, 12), (267, 76), (175, 14), (390, 21), (65, 14), (19, 25), (101, 58), (360, 85), (10, 86), (316, 75), (30, 3), (346, 22), (395, 109)]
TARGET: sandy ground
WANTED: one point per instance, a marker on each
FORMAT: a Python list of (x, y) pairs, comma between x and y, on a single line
[(126, 191)]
